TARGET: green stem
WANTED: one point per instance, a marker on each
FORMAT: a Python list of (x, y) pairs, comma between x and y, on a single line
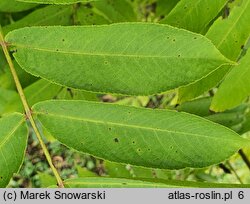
[(27, 109), (244, 157)]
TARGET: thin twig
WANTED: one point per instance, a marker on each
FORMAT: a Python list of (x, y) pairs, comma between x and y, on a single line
[(27, 109), (244, 157)]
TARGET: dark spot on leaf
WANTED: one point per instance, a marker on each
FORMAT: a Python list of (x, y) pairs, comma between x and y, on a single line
[(242, 46), (133, 142), (106, 62), (110, 128), (138, 150), (116, 140), (1, 177), (195, 38), (149, 149), (57, 50), (176, 151), (63, 40), (124, 183), (173, 40), (179, 55)]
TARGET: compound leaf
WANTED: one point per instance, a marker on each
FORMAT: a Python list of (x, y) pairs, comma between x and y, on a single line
[(13, 141), (49, 15), (116, 58), (14, 6), (142, 137)]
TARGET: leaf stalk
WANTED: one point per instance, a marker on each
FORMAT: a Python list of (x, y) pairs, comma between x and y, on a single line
[(27, 109)]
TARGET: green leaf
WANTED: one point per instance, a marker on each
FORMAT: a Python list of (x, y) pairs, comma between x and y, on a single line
[(231, 34), (46, 180), (6, 79), (118, 170), (13, 141), (235, 88), (5, 97), (142, 137), (3, 62), (165, 6), (90, 16), (75, 94), (14, 6), (105, 12), (116, 58), (84, 172), (49, 15), (198, 106), (246, 125), (231, 118), (194, 15), (115, 10), (102, 182), (39, 91), (197, 88), (99, 182), (57, 1)]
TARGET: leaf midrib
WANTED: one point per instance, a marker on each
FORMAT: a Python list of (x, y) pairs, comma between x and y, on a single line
[(128, 125), (118, 55)]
